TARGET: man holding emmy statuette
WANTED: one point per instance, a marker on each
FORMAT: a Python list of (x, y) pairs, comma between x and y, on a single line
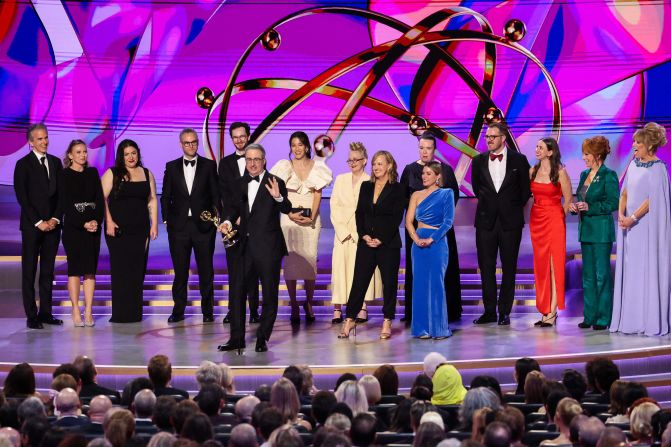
[(255, 205), (190, 196)]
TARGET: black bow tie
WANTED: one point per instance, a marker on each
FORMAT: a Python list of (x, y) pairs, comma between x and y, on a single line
[(189, 162), (256, 177), (238, 157)]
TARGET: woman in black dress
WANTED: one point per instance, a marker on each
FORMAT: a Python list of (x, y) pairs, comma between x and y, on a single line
[(131, 219), (81, 197)]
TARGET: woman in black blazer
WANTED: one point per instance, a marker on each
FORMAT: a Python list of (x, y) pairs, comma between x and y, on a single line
[(379, 213)]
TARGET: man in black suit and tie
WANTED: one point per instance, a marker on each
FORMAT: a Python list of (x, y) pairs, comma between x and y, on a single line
[(36, 188), (256, 203), (189, 188), (231, 169), (500, 181)]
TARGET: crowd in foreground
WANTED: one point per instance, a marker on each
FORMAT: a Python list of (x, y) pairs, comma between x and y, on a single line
[(594, 409)]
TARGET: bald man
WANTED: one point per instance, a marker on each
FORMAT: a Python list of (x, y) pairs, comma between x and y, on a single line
[(243, 435), (97, 409), (12, 435), (244, 408), (67, 408)]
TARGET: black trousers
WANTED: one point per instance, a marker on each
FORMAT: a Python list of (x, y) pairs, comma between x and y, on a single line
[(249, 265), (452, 279), (252, 293), (202, 244), (490, 243), (43, 245), (388, 260)]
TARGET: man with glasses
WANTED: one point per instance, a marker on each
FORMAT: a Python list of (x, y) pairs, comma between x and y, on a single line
[(411, 179), (231, 169), (189, 188), (257, 200), (500, 181)]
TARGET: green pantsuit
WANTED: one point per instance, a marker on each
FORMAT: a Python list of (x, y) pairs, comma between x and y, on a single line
[(596, 230)]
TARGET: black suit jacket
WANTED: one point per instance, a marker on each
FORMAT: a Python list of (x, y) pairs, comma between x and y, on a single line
[(381, 220), (37, 196), (508, 203), (259, 230), (176, 200), (229, 176), (93, 389)]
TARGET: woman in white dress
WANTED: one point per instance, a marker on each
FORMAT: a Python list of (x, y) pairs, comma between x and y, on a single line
[(305, 179), (344, 198)]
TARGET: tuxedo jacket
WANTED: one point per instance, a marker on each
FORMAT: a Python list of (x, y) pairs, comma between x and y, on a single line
[(229, 176), (596, 225), (176, 200), (380, 220), (37, 195), (508, 203), (259, 230)]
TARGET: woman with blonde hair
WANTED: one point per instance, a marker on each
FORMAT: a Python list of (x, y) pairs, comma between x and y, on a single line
[(371, 387), (640, 421), (284, 397), (567, 409), (379, 213), (354, 395), (533, 388)]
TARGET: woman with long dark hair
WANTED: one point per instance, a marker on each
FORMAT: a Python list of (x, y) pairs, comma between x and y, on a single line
[(131, 216), (81, 197), (549, 183)]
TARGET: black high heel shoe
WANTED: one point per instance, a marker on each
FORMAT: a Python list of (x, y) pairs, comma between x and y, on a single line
[(549, 320), (295, 315), (338, 319), (359, 318), (309, 315)]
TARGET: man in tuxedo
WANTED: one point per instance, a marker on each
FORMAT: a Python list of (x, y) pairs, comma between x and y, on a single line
[(231, 169), (500, 181), (36, 188), (256, 203), (411, 180), (189, 188)]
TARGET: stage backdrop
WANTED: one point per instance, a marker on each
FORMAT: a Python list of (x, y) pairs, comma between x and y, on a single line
[(377, 72)]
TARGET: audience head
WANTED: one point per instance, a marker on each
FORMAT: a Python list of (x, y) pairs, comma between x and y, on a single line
[(344, 378), (31, 408), (617, 404), (640, 420), (67, 368), (330, 436), (284, 397), (533, 387), (497, 434), (352, 394), (574, 429), (67, 402), (659, 422), (400, 420), (666, 437), (208, 373), (322, 403), (432, 416), (428, 435), (575, 383), (270, 420), (33, 430), (263, 393), (227, 378), (447, 386), (553, 400), (86, 368), (431, 362), (514, 419), (197, 427), (12, 435), (164, 413), (162, 439), (63, 381), (184, 410), (566, 410), (603, 371), (20, 381), (132, 388), (612, 437), (339, 421), (652, 136), (388, 378), (211, 399), (160, 370), (474, 400), (243, 435), (119, 428), (293, 373), (589, 431), (489, 382), (245, 407), (143, 404), (285, 436), (417, 410), (98, 407), (362, 431), (634, 391), (371, 388), (308, 380), (523, 367)]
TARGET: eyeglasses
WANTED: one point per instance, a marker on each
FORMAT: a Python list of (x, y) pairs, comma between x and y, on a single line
[(354, 160), (190, 143), (492, 137), (253, 160)]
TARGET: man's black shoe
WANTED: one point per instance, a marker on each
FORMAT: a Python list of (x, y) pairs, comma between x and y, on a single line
[(208, 319), (232, 346), (227, 318), (49, 319), (484, 319), (583, 325), (599, 327), (175, 318), (261, 345), (504, 320), (254, 319), (33, 323)]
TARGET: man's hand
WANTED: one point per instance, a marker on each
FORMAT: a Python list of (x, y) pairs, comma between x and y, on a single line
[(91, 226), (273, 188), (44, 226)]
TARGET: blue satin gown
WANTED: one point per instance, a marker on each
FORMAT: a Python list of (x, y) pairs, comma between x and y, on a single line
[(429, 309)]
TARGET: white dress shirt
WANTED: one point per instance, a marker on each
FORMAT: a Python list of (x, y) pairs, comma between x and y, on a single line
[(497, 169), (189, 175), (241, 162), (253, 189)]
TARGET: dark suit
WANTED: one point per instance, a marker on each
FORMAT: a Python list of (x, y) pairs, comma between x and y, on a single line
[(38, 198), (229, 177), (381, 221), (72, 422), (93, 389), (411, 179), (499, 220), (190, 232), (259, 251)]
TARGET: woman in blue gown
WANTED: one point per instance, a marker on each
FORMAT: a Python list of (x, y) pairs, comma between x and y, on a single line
[(433, 208)]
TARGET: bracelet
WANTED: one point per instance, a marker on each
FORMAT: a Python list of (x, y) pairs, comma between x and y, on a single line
[(633, 217)]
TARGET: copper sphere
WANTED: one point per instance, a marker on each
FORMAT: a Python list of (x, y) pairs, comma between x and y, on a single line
[(514, 30), (324, 146), (417, 125), (271, 40), (205, 97), (493, 115)]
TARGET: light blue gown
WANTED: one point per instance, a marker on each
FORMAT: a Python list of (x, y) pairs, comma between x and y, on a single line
[(429, 308)]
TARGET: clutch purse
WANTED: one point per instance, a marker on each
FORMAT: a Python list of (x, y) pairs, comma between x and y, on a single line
[(305, 212)]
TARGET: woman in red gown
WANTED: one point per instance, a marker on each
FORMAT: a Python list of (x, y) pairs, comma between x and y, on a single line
[(549, 183)]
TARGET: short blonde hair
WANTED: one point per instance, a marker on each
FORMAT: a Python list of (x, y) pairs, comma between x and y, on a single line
[(652, 135), (371, 387), (567, 409), (359, 147), (640, 420)]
